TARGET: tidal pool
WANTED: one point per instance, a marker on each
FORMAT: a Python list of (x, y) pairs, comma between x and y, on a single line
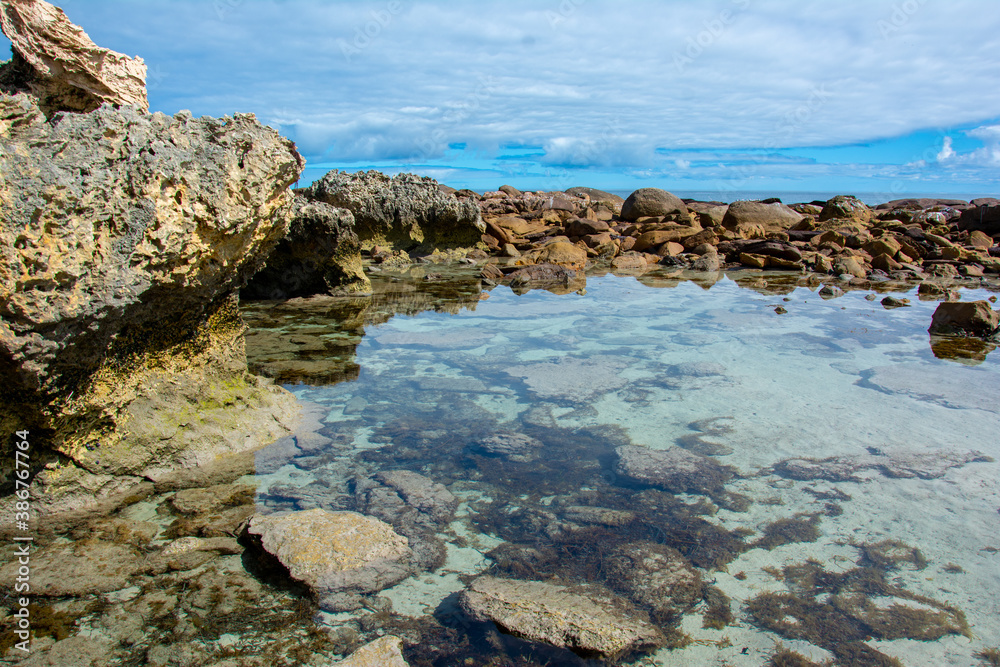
[(855, 517)]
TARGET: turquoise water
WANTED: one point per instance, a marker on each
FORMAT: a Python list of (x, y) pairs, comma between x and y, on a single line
[(711, 368)]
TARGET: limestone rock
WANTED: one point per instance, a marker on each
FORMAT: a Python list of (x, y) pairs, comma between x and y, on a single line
[(675, 469), (339, 555), (560, 253), (513, 446), (405, 211), (320, 254), (115, 223), (383, 652), (60, 65), (79, 569), (569, 378), (654, 576), (846, 208), (596, 195), (975, 318), (646, 202), (588, 620), (773, 217)]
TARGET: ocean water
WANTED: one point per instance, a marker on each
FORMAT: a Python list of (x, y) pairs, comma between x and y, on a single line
[(861, 515)]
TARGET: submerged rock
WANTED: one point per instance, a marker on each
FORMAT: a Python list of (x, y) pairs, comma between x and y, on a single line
[(675, 469), (654, 576), (588, 620), (58, 63), (972, 318), (512, 446), (341, 556), (383, 652), (405, 211)]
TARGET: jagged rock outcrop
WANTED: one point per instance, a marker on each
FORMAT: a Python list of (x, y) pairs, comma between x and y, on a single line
[(124, 238), (403, 211), (58, 63), (320, 254)]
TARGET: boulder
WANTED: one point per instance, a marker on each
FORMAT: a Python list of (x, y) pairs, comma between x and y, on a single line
[(124, 240), (340, 556), (646, 202), (675, 469), (588, 620), (984, 217), (654, 576), (774, 217), (510, 190), (319, 254), (850, 209), (58, 63), (780, 249), (511, 446), (658, 237), (405, 211), (972, 318), (560, 253), (596, 195)]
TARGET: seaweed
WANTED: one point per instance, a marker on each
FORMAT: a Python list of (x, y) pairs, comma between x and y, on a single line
[(718, 613), (800, 528), (990, 656), (785, 657)]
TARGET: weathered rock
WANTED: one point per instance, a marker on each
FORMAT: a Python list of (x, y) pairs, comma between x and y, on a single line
[(596, 195), (513, 446), (383, 652), (774, 217), (707, 263), (904, 465), (657, 237), (59, 64), (560, 253), (974, 318), (781, 249), (119, 222), (846, 208), (405, 211), (984, 217), (588, 620), (646, 202), (510, 190), (675, 469), (581, 227), (546, 276), (571, 378), (654, 576), (82, 568), (319, 254), (339, 555)]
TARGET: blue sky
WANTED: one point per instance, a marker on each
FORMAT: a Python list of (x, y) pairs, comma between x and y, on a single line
[(890, 97)]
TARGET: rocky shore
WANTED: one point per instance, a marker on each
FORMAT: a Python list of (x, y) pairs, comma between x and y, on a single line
[(130, 241)]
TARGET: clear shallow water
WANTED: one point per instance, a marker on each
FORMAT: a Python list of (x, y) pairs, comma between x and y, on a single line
[(715, 371)]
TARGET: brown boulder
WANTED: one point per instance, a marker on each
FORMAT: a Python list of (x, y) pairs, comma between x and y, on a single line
[(59, 64), (646, 202), (974, 318), (560, 253), (775, 217), (846, 208)]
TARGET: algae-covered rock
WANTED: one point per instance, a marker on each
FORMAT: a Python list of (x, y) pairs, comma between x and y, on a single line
[(675, 469), (654, 576), (589, 620), (405, 211), (383, 652)]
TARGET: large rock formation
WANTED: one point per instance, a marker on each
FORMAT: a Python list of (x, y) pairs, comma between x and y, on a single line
[(404, 211), (124, 238), (57, 62)]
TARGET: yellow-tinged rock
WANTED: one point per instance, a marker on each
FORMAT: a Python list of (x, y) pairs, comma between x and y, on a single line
[(560, 253), (383, 652)]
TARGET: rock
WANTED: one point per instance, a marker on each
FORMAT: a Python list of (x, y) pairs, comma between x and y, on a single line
[(545, 276), (972, 318), (675, 469), (339, 555), (846, 208), (510, 190), (156, 220), (512, 446), (581, 227), (979, 240), (319, 254), (383, 652), (81, 568), (771, 217), (59, 64), (906, 465), (707, 263), (210, 499), (560, 253), (658, 237), (569, 378), (830, 292), (558, 202), (655, 576), (850, 266), (78, 651), (646, 202), (781, 249), (595, 195), (985, 217), (405, 211), (891, 302), (709, 214), (588, 620)]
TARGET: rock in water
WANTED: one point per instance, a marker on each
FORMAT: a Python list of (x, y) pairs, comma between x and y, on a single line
[(675, 469), (405, 211), (588, 620), (59, 64), (655, 576), (383, 652), (339, 555), (973, 318), (124, 238)]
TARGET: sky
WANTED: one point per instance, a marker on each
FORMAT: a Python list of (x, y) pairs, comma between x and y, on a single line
[(715, 97)]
